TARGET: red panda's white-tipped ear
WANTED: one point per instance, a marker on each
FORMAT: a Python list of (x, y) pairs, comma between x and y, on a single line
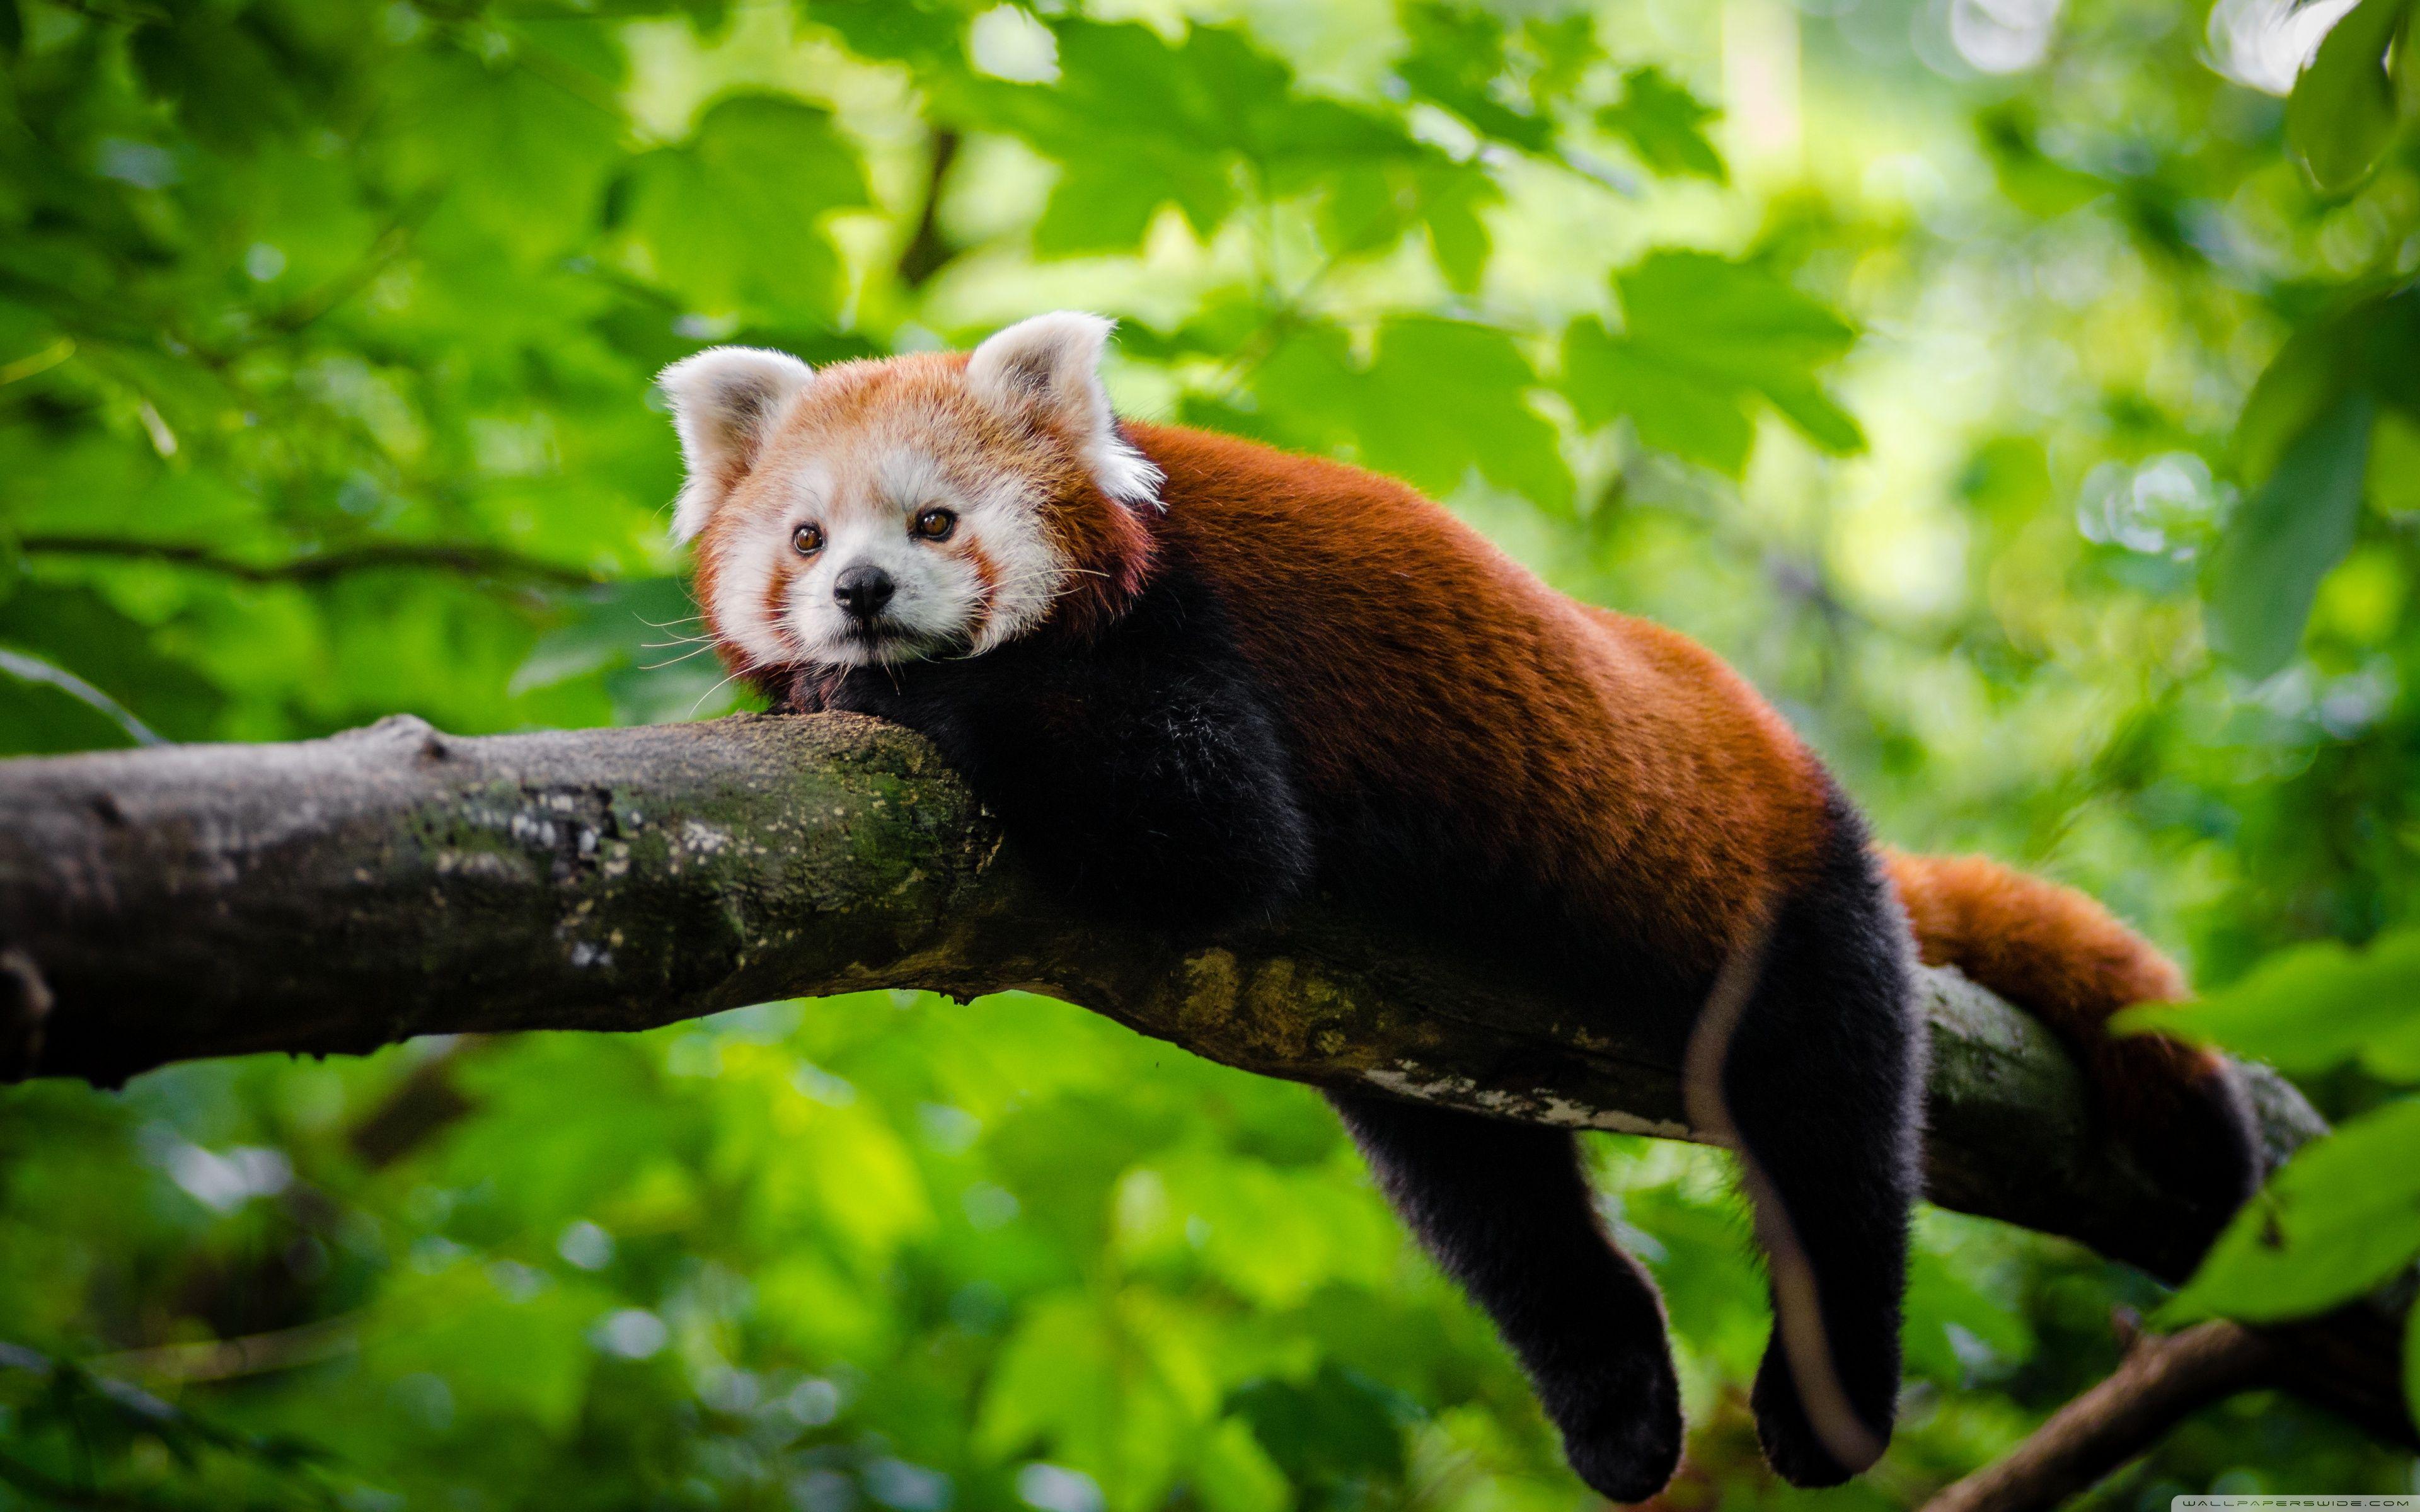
[(724, 401), (1050, 367)]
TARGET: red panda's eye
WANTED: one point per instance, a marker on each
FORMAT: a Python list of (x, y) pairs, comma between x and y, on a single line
[(935, 524), (808, 540)]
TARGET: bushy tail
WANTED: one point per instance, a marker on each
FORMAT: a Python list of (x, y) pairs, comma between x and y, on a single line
[(2066, 961)]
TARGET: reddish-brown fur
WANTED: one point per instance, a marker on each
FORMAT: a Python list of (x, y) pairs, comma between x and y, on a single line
[(1551, 712), (2062, 958), (1681, 772)]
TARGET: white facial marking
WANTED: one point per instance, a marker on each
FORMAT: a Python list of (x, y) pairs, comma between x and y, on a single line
[(751, 560), (991, 577)]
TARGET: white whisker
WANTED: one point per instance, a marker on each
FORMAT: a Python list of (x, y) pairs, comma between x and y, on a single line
[(716, 688), (676, 661)]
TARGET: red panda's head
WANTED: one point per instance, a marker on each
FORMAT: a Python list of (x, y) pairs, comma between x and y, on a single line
[(933, 504)]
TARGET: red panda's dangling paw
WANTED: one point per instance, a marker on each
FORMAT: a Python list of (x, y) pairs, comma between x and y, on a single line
[(1505, 1209), (1791, 1447), (1620, 1422)]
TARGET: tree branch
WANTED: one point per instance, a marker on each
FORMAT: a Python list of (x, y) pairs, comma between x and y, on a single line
[(2162, 1381), (470, 561), (337, 895)]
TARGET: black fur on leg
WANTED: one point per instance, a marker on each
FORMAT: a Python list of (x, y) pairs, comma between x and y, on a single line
[(1505, 1210), (1823, 1083)]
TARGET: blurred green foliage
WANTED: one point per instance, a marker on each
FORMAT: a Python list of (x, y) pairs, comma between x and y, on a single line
[(2027, 401)]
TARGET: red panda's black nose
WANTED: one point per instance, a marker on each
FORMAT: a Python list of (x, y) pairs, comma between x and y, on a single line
[(864, 589)]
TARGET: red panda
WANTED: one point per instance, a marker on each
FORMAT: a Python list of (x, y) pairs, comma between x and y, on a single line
[(1196, 676)]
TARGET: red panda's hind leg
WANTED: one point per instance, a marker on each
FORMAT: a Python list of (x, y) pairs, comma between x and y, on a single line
[(1822, 1082), (1505, 1210)]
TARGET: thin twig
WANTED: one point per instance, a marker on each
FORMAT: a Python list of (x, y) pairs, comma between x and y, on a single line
[(424, 1104), (2162, 1381), (928, 251), (249, 1354)]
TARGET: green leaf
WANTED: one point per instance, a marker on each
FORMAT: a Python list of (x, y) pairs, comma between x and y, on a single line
[(2395, 465), (1455, 61), (1093, 212), (1448, 199), (231, 89), (2285, 538), (515, 154), (929, 36), (1273, 1236), (732, 221), (1097, 1382), (499, 1354), (2341, 1217), (1234, 1474), (2365, 344), (2405, 67), (1369, 209), (1701, 417), (1562, 49), (2342, 113), (1132, 118), (83, 634), (1666, 123), (2390, 334), (1821, 419), (2305, 379), (1728, 316), (1943, 1298), (1337, 1428), (1703, 339), (1439, 401), (1137, 122), (2043, 185), (2311, 1009)]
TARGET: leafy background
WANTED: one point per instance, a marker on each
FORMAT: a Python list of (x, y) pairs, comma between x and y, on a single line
[(2027, 395)]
